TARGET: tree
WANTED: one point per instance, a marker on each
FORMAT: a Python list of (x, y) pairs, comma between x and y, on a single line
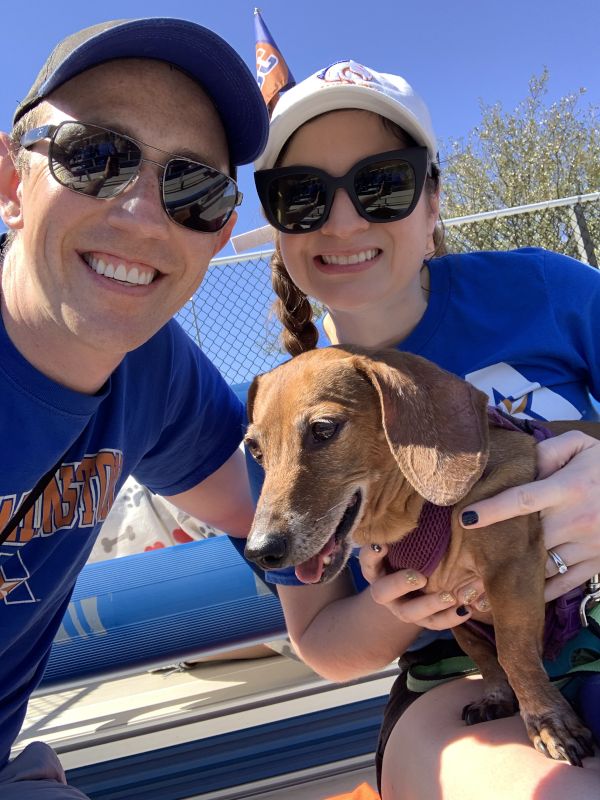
[(537, 152)]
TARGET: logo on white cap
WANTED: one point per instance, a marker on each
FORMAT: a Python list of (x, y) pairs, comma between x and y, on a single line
[(351, 73), (347, 72)]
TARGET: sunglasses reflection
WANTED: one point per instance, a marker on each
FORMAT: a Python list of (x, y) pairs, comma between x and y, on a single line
[(93, 163), (299, 202), (101, 163), (384, 187), (214, 196)]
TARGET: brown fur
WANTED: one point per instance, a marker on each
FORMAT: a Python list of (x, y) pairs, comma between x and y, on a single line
[(398, 430)]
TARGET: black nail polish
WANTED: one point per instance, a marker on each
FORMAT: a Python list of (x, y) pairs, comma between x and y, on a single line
[(469, 517), (462, 611)]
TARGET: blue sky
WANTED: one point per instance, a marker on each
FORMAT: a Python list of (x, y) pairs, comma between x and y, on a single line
[(455, 53)]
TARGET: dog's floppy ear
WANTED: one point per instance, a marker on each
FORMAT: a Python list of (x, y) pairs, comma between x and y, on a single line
[(435, 423)]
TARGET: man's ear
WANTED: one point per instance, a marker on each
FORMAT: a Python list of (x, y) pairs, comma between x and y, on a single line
[(11, 208), (225, 234)]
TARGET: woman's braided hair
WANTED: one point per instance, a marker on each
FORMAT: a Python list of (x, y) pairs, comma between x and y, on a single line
[(292, 306)]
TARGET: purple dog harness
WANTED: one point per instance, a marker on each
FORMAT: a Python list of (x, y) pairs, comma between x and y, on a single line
[(423, 548)]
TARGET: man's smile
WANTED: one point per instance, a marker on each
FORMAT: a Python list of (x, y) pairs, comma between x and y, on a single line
[(119, 269)]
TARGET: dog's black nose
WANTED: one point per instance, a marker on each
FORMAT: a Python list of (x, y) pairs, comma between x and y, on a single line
[(269, 551)]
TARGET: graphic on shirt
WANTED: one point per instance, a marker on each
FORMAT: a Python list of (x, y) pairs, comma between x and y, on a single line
[(516, 394), (79, 496), (13, 579)]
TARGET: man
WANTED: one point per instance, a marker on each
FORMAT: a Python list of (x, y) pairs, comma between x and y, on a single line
[(116, 187)]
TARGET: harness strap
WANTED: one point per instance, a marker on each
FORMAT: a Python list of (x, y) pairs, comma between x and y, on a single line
[(580, 656)]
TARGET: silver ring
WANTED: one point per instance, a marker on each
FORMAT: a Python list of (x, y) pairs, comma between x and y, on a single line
[(560, 564)]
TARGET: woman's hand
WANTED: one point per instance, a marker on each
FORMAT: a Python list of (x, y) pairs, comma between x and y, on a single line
[(436, 611), (567, 495)]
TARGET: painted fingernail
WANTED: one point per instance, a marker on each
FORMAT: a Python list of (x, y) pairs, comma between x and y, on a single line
[(376, 548), (469, 517), (447, 597), (462, 611), (412, 577), (483, 604), (469, 595)]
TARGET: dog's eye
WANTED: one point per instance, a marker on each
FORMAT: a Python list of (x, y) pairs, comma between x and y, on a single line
[(324, 429), (255, 451)]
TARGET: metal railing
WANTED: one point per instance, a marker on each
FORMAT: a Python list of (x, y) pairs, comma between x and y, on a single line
[(230, 317), (570, 225)]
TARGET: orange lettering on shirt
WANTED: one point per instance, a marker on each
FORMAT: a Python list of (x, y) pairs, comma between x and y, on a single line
[(6, 511), (60, 501), (109, 466), (83, 474)]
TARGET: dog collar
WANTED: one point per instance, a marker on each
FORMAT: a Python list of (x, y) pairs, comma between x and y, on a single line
[(423, 548), (501, 419)]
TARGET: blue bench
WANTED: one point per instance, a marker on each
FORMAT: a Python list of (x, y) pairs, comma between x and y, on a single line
[(161, 607)]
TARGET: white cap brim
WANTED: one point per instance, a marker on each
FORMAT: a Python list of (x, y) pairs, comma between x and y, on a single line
[(310, 99)]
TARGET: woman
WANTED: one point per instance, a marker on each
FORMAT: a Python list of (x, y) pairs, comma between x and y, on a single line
[(349, 149)]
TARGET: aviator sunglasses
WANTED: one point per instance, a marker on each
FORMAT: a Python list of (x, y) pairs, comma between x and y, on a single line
[(383, 188), (101, 163)]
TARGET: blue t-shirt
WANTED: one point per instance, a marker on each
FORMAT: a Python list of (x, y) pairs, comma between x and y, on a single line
[(523, 326), (165, 415)]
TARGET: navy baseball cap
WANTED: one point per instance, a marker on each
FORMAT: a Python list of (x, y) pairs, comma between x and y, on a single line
[(204, 56)]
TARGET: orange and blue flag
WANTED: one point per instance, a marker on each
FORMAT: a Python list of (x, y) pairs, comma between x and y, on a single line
[(272, 72)]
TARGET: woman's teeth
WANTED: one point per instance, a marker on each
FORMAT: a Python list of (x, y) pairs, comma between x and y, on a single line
[(119, 272), (355, 258)]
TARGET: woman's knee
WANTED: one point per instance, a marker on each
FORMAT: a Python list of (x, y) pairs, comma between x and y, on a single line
[(411, 760), (432, 753)]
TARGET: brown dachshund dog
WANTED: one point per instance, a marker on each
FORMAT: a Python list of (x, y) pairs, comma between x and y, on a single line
[(353, 443)]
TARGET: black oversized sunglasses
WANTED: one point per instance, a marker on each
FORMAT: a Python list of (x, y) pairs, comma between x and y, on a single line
[(383, 188), (101, 163)]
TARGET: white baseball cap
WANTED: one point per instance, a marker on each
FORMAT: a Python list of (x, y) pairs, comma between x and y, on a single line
[(347, 85)]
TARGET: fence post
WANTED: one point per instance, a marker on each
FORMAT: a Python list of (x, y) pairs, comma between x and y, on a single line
[(582, 235)]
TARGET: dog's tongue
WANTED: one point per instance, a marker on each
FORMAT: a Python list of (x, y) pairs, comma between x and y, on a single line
[(310, 571)]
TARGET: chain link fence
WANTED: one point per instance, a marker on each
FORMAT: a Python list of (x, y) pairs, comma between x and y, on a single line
[(230, 315)]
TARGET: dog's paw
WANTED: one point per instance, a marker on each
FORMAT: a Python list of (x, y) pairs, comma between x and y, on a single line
[(494, 705), (560, 736)]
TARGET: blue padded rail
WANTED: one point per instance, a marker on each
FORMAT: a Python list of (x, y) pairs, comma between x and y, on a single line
[(160, 607), (233, 759)]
